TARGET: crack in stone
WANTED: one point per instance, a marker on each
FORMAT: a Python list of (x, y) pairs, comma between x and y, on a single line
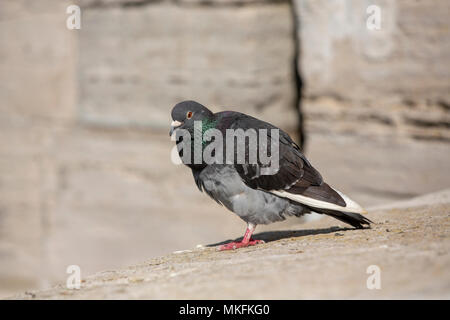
[(298, 80)]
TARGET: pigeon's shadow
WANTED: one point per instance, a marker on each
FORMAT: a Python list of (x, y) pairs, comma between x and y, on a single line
[(269, 236)]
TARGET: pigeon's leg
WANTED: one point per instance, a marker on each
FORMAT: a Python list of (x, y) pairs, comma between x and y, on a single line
[(246, 241)]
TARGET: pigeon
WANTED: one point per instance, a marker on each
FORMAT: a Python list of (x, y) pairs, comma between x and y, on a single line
[(294, 188)]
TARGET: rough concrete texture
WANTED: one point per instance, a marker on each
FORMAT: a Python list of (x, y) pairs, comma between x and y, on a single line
[(409, 243)]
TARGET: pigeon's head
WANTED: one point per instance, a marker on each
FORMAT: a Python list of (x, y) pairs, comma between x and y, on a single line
[(186, 112)]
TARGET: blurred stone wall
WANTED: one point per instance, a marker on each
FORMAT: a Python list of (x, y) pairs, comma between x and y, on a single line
[(85, 171), (393, 82), (139, 58), (37, 103)]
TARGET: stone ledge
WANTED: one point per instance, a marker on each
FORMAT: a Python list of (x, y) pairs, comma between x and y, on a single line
[(409, 242)]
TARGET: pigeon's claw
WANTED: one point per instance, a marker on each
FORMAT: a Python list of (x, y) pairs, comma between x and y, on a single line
[(237, 245), (246, 241)]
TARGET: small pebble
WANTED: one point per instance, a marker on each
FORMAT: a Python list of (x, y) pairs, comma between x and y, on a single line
[(181, 251)]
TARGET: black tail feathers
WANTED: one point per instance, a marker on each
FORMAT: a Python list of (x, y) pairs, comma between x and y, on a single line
[(354, 219)]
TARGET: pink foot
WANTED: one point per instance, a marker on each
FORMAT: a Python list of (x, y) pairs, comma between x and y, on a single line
[(237, 245)]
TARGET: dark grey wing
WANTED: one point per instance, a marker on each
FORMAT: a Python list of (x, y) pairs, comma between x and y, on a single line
[(295, 175), (294, 168)]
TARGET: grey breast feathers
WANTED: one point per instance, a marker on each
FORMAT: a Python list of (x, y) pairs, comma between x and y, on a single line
[(224, 185)]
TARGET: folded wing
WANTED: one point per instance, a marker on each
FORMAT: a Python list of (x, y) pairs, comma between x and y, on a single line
[(296, 179)]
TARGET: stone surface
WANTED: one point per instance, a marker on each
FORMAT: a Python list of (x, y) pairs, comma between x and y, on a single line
[(376, 173), (224, 56), (409, 246), (38, 79), (391, 82), (37, 90)]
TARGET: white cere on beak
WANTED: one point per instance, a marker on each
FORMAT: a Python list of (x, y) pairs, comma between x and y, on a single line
[(173, 126)]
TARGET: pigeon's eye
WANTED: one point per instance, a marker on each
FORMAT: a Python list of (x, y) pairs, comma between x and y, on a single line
[(189, 114)]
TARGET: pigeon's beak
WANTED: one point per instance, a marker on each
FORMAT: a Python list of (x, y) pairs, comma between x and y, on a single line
[(173, 126)]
